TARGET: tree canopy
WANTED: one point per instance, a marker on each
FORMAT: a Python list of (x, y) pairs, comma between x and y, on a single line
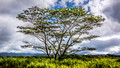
[(59, 29)]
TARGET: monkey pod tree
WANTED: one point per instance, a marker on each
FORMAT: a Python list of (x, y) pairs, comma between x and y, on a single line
[(59, 29)]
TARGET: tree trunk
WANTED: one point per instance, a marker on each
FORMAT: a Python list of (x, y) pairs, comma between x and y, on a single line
[(49, 57), (55, 56)]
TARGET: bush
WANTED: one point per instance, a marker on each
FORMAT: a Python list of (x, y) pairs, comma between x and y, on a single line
[(118, 60)]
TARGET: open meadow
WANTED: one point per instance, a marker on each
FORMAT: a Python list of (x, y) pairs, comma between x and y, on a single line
[(72, 61)]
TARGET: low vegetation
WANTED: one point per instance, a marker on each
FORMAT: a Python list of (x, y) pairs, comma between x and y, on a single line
[(71, 61)]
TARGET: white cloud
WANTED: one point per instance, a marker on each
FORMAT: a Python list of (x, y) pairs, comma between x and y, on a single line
[(109, 32), (45, 3), (117, 36), (10, 40), (114, 49), (78, 2)]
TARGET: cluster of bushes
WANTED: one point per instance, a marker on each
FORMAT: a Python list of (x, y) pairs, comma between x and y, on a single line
[(68, 61)]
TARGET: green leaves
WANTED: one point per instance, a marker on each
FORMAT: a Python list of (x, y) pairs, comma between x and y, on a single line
[(86, 38), (90, 37), (76, 41), (26, 32), (58, 27)]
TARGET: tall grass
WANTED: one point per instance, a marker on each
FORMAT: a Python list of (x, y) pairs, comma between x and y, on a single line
[(80, 62)]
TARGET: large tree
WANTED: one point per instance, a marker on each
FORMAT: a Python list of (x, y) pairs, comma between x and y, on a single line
[(59, 29)]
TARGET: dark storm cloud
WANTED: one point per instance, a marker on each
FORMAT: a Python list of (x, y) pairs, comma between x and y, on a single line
[(118, 53), (103, 45), (5, 33), (110, 27), (113, 11), (10, 8), (14, 7)]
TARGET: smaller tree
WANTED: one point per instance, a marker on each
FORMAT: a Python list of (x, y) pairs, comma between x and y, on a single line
[(59, 29)]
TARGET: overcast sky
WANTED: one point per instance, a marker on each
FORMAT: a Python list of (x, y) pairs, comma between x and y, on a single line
[(109, 42)]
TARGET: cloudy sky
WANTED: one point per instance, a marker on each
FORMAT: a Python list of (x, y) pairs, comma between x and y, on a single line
[(109, 42)]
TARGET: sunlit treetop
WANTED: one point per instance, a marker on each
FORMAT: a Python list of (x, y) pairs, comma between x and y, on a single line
[(59, 29)]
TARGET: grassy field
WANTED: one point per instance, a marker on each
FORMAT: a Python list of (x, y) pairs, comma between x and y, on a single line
[(66, 62)]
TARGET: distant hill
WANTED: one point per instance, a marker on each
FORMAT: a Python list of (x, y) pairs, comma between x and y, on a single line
[(19, 54), (36, 54)]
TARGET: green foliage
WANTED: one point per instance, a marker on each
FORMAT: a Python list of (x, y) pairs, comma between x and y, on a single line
[(52, 26), (70, 61), (118, 60)]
